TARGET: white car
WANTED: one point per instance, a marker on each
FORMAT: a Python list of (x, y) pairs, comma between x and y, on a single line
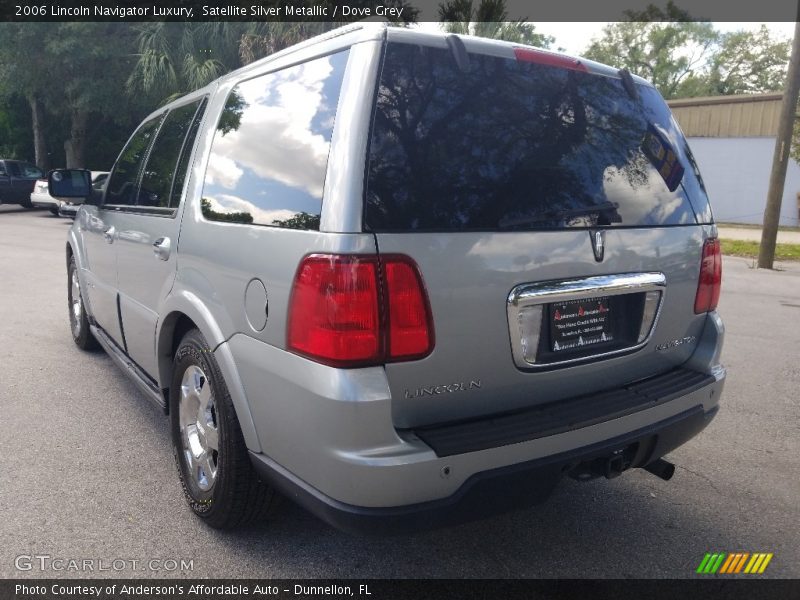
[(41, 198)]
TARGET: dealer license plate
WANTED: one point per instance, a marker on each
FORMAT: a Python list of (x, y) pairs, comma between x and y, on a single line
[(580, 323)]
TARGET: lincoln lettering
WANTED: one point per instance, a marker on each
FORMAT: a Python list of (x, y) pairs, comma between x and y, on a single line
[(443, 389)]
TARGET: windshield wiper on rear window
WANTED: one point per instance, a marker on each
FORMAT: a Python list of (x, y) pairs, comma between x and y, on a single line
[(562, 214)]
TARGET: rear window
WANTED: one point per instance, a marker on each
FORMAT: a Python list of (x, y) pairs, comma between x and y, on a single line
[(508, 144)]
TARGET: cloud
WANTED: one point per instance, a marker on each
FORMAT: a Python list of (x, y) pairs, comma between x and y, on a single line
[(222, 171), (275, 140)]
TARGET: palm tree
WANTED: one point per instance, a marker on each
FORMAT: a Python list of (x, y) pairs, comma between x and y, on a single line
[(489, 19), (176, 58)]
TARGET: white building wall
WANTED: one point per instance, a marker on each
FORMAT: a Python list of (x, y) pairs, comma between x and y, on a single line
[(736, 173)]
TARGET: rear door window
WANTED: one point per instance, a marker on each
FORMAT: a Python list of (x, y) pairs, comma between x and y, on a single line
[(163, 176), (509, 144), (270, 151), (124, 180)]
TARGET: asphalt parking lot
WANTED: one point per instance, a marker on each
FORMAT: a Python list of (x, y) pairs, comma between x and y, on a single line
[(88, 472)]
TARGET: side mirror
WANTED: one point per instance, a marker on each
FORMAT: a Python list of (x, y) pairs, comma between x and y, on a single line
[(70, 183)]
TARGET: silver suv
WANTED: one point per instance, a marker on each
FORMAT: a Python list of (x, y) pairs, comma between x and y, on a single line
[(406, 279)]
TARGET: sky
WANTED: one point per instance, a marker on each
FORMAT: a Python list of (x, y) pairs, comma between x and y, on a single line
[(575, 37)]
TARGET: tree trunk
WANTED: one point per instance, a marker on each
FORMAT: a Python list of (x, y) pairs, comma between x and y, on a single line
[(39, 142), (780, 160), (75, 147)]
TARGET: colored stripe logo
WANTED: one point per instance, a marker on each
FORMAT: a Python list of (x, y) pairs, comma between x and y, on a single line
[(734, 563)]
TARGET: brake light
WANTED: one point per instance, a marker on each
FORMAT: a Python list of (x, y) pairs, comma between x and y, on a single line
[(410, 329), (359, 310), (548, 58), (710, 280)]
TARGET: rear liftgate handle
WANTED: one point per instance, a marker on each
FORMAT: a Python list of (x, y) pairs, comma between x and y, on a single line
[(161, 248)]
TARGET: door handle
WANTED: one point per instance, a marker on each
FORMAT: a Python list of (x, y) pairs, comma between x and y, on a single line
[(161, 248), (109, 233)]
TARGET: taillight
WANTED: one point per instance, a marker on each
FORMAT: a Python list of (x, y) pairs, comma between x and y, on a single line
[(710, 281), (410, 327), (358, 310)]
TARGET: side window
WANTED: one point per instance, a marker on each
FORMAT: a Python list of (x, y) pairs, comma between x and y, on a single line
[(172, 144), (13, 168), (186, 154), (30, 170), (270, 151), (3, 169), (124, 180)]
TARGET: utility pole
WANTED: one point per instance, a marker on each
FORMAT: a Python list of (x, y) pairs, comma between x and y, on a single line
[(780, 160)]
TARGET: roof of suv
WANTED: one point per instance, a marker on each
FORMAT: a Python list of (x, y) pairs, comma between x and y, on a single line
[(348, 35)]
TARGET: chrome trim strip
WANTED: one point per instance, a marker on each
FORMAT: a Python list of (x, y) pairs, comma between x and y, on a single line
[(545, 292), (131, 369)]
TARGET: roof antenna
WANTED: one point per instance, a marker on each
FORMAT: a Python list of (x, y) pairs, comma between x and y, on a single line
[(628, 84), (459, 52)]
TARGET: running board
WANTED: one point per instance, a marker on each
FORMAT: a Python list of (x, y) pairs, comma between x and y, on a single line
[(130, 368)]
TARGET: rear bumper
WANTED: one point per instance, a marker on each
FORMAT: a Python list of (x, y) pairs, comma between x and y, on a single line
[(326, 437), (488, 492), (44, 201)]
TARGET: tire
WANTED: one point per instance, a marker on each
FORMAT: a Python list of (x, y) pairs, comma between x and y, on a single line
[(217, 477), (78, 320), (26, 204), (53, 211)]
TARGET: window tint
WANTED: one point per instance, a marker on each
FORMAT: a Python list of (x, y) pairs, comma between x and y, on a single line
[(29, 170), (186, 153), (124, 180), (270, 151), (14, 169), (516, 145), (156, 186)]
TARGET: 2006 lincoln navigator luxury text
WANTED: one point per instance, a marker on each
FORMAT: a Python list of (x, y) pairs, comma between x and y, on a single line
[(405, 279)]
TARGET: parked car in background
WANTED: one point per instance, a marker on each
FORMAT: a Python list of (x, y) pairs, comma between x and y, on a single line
[(69, 207), (406, 279), (41, 198), (17, 179)]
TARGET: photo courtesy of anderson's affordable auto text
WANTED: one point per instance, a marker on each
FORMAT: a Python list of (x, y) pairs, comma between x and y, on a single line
[(329, 305)]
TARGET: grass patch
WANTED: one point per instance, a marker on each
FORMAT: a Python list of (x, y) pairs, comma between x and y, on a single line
[(750, 249), (751, 226)]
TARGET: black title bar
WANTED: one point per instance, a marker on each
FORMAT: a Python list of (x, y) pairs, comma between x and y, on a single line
[(407, 589), (392, 10)]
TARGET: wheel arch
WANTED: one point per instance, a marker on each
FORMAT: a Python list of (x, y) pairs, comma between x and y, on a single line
[(186, 312)]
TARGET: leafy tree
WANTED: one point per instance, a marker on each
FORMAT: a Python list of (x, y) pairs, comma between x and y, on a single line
[(489, 19), (301, 220), (748, 62), (90, 61), (661, 46), (15, 128), (176, 58), (72, 76), (22, 73), (685, 59), (263, 38), (230, 217)]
